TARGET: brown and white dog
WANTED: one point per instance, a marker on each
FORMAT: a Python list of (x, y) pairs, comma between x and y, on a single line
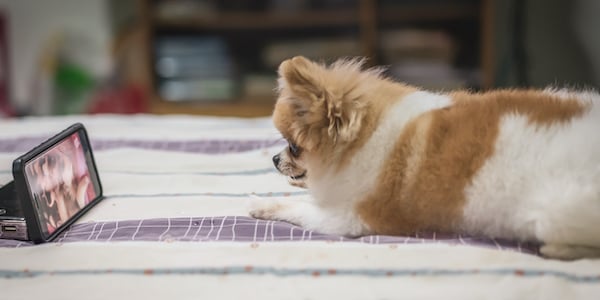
[(381, 157)]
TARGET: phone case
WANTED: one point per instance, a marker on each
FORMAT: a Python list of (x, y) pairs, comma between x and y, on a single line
[(34, 229)]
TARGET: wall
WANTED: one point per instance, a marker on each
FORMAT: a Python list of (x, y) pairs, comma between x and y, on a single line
[(562, 40), (587, 24), (32, 22), (555, 51), (561, 43)]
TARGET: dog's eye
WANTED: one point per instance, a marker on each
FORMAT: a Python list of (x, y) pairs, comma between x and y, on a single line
[(294, 150)]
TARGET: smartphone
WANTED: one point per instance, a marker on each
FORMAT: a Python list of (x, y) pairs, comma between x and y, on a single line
[(54, 185)]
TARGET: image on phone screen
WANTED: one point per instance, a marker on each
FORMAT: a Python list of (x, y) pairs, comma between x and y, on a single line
[(60, 183)]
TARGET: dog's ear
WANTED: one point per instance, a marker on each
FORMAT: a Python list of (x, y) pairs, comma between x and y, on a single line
[(321, 93), (302, 77), (345, 117)]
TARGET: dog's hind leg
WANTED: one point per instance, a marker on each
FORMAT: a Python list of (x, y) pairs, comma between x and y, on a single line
[(569, 252)]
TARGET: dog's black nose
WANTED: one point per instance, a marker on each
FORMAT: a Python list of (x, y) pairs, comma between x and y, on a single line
[(276, 160)]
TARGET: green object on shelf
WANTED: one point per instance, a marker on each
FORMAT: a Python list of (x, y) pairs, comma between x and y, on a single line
[(72, 77), (72, 87)]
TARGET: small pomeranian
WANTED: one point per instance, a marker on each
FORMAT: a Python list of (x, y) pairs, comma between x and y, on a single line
[(382, 157)]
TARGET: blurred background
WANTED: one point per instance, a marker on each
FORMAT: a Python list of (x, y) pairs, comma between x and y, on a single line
[(212, 57)]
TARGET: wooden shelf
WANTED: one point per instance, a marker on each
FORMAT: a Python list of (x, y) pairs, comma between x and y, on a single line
[(425, 12), (369, 17), (267, 20), (244, 107), (245, 21)]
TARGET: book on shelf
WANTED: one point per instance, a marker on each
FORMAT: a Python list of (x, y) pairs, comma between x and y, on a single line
[(194, 68)]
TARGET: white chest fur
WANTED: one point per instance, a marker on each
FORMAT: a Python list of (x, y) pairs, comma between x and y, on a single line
[(341, 191)]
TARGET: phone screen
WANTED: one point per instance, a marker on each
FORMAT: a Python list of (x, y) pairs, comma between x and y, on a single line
[(60, 182)]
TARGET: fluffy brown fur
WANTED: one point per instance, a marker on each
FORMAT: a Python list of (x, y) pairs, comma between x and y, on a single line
[(334, 115)]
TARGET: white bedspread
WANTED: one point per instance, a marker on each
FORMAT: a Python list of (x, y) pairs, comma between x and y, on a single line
[(174, 225)]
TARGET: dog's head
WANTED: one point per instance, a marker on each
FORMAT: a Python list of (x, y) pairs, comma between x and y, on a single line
[(321, 111)]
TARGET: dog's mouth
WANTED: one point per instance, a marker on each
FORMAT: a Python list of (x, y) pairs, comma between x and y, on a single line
[(298, 177), (298, 180)]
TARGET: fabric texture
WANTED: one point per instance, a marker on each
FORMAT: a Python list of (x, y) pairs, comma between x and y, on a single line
[(175, 220)]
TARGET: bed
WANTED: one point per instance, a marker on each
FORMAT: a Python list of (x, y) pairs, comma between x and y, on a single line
[(175, 225)]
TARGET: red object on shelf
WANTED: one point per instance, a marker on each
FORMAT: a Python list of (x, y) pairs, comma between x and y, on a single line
[(125, 100)]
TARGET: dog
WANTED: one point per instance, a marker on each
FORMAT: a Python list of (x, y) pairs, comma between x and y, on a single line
[(383, 157)]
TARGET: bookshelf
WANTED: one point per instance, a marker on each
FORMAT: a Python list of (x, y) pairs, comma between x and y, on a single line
[(258, 36)]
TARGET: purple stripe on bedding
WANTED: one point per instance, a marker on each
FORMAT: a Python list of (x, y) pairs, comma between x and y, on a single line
[(25, 144), (246, 229)]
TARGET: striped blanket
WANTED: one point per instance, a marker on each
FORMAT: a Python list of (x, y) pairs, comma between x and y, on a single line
[(175, 223)]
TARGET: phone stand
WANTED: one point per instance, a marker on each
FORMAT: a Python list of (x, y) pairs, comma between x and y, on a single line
[(12, 219), (9, 201)]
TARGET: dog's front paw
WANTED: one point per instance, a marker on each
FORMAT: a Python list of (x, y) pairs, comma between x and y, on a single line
[(266, 211), (275, 211)]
